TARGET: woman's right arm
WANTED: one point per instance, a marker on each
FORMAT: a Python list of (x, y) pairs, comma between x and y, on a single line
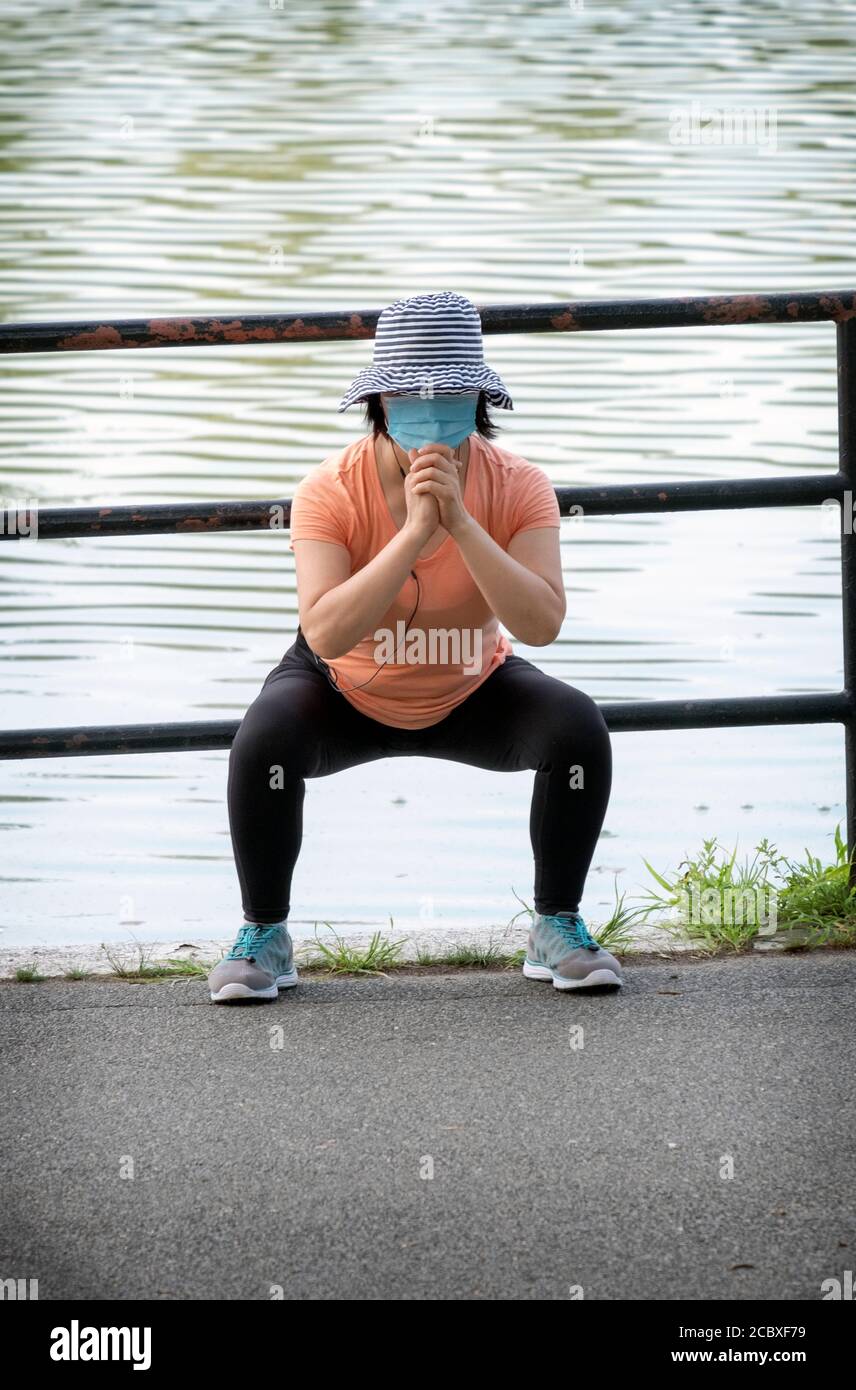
[(336, 608)]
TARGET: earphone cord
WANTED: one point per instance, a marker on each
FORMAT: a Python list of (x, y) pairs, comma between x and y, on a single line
[(331, 675)]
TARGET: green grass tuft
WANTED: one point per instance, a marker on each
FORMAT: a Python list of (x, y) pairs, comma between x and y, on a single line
[(28, 974), (478, 955), (147, 968), (189, 969), (815, 904), (339, 958)]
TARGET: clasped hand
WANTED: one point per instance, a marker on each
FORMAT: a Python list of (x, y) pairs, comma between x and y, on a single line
[(434, 472)]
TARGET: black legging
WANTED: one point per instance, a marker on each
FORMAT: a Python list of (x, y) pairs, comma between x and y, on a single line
[(299, 726)]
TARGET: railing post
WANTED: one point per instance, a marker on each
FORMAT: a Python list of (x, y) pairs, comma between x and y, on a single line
[(846, 344)]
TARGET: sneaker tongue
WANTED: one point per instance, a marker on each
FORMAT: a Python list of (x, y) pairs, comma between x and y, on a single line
[(254, 937), (575, 921), (248, 939)]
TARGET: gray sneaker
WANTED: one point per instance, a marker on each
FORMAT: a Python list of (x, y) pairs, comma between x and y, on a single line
[(259, 965), (561, 949)]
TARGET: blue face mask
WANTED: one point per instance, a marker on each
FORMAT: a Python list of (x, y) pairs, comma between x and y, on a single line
[(416, 420)]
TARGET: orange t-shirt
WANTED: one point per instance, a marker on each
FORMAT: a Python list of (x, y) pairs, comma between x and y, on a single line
[(453, 642)]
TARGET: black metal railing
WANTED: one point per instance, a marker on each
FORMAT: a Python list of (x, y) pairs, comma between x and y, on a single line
[(838, 307)]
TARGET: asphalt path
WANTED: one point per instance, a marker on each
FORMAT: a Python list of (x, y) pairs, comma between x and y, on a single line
[(455, 1136)]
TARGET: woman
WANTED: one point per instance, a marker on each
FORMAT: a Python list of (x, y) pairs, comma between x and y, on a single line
[(411, 546)]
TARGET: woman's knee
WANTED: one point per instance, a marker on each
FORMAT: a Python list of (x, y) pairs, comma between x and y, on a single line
[(572, 725), (586, 713), (275, 731)]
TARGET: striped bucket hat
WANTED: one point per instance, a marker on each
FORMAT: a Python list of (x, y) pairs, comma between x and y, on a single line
[(430, 344)]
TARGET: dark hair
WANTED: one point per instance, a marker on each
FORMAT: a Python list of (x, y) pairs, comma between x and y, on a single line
[(375, 416)]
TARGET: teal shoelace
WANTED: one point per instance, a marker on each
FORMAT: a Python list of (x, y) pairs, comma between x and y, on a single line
[(574, 930), (250, 939)]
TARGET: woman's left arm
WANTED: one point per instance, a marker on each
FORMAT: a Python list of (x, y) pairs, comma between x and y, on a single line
[(524, 585)]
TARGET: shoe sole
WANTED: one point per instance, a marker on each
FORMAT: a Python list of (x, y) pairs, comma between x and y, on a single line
[(239, 991), (597, 978)]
